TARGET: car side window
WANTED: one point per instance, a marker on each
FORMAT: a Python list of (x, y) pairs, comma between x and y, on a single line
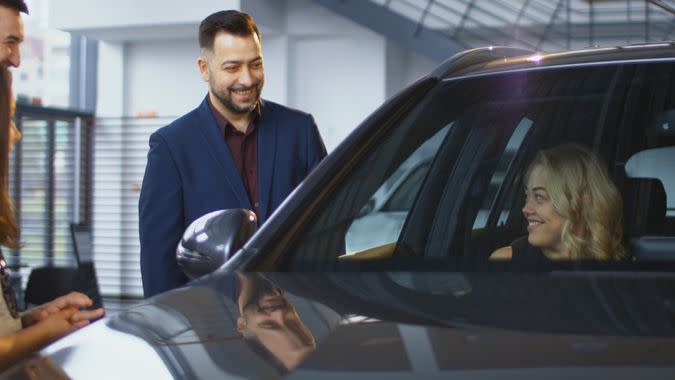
[(633, 137), (381, 219), (340, 227), (402, 199), (468, 201), (645, 161)]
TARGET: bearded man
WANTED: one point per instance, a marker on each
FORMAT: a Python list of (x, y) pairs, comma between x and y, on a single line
[(235, 150)]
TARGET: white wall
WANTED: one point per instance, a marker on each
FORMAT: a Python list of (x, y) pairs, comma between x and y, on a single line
[(339, 80), (336, 69), (321, 63), (105, 18), (111, 79), (162, 78), (404, 67), (315, 60)]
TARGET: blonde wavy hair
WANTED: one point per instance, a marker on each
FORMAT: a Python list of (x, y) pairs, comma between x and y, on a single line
[(583, 194)]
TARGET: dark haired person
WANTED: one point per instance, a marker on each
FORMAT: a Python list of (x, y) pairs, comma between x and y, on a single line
[(234, 150), (11, 31), (20, 335), (270, 324)]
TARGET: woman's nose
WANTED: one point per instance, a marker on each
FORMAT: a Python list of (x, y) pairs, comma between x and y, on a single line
[(527, 207)]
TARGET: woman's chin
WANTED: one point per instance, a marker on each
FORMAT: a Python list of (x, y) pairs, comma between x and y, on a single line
[(536, 241)]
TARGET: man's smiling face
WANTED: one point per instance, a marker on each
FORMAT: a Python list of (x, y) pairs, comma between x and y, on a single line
[(11, 36), (234, 71)]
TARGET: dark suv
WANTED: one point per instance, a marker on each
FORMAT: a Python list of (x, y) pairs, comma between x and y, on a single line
[(492, 116), (422, 299)]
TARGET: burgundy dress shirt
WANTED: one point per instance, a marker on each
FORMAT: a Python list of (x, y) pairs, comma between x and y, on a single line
[(244, 150)]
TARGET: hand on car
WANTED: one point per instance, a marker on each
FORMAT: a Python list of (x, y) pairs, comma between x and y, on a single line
[(72, 303), (59, 323)]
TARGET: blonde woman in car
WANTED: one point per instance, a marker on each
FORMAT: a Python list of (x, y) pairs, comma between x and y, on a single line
[(572, 208), (22, 334)]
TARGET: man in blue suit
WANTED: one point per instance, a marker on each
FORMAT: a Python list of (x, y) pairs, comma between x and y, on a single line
[(233, 151)]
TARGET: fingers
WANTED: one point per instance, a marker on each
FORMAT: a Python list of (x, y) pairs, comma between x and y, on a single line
[(68, 320), (67, 309), (73, 299), (50, 308), (76, 299), (59, 323), (86, 315)]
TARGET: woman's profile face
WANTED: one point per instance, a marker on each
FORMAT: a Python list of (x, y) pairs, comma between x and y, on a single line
[(544, 224)]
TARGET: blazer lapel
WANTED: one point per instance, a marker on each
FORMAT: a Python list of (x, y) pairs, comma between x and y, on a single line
[(267, 143), (215, 142)]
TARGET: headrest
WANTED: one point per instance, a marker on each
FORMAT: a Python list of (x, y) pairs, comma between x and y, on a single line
[(644, 205)]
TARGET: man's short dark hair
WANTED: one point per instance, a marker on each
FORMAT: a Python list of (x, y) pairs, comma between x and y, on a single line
[(232, 22), (18, 5)]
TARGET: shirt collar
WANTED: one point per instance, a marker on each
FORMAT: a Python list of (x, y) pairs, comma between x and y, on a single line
[(225, 126)]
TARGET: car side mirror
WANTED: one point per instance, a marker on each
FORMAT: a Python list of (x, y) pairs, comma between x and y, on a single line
[(212, 239)]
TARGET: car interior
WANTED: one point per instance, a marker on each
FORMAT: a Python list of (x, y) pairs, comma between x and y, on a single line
[(469, 202)]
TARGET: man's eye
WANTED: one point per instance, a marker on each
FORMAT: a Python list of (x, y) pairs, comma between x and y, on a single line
[(539, 197)]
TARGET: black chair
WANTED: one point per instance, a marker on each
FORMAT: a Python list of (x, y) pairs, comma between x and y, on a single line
[(46, 283)]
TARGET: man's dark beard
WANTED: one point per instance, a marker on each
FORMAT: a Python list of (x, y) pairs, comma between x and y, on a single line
[(227, 103), (261, 287)]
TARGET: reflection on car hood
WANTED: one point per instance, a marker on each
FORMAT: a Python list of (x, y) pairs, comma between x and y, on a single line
[(384, 324)]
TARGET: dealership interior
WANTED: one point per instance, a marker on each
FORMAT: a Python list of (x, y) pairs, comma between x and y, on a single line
[(98, 77)]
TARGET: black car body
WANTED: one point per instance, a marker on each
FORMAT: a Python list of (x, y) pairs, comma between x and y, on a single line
[(429, 303)]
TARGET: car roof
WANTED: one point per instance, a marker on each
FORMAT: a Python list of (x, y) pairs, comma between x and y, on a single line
[(501, 58)]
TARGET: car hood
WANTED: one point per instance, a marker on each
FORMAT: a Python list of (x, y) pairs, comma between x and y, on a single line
[(386, 324)]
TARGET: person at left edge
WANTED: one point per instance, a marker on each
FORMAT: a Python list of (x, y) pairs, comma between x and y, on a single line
[(235, 150)]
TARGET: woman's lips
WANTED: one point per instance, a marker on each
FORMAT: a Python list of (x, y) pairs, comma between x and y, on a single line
[(532, 224)]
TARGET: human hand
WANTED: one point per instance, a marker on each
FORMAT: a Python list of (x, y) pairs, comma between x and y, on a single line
[(67, 320), (58, 325), (73, 300), (81, 318)]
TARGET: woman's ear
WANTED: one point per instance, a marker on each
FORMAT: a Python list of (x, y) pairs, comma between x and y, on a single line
[(241, 325)]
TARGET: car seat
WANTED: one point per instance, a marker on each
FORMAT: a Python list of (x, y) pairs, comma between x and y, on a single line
[(647, 229)]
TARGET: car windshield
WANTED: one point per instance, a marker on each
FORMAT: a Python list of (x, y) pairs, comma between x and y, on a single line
[(447, 180)]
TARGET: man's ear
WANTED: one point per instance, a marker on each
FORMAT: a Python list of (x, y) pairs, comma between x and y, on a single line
[(241, 325), (203, 68)]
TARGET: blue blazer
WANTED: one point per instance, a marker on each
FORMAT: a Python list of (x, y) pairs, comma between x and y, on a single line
[(190, 172)]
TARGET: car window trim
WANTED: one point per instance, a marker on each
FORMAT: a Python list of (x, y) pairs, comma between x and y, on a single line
[(558, 67)]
